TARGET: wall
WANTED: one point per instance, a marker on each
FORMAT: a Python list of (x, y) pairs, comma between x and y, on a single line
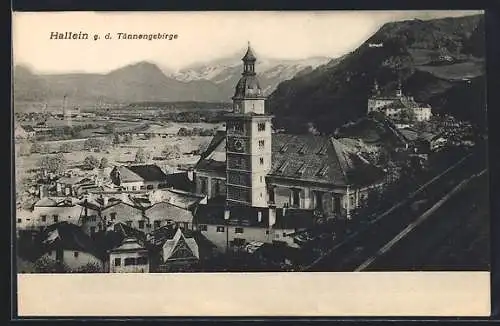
[(73, 262), (131, 268), (283, 196), (69, 214), (130, 186), (126, 213), (220, 239)]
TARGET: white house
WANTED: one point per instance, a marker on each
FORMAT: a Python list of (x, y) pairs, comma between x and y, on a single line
[(130, 257)]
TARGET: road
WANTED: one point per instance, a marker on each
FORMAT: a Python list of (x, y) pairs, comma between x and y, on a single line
[(352, 253)]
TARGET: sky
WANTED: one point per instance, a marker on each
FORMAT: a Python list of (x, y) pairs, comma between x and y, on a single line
[(202, 36)]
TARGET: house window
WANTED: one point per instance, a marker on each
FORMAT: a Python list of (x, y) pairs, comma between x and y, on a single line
[(284, 234), (19, 220), (142, 187), (202, 227), (129, 261), (261, 179), (118, 261), (149, 187), (267, 231), (261, 144), (142, 260), (134, 188), (220, 229), (44, 218), (203, 185), (141, 224), (261, 161), (113, 216), (238, 230), (75, 254), (129, 223), (261, 126), (295, 198), (239, 242)]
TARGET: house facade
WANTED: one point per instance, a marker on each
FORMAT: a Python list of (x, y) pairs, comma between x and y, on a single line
[(130, 257), (48, 211)]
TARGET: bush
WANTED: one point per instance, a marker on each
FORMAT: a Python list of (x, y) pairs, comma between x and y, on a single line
[(141, 156), (49, 265), (89, 268), (104, 163), (90, 162), (66, 148)]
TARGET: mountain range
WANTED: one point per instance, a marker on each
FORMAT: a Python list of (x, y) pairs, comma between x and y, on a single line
[(440, 62), (212, 81)]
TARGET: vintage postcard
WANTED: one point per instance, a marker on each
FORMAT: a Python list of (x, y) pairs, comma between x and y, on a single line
[(307, 163)]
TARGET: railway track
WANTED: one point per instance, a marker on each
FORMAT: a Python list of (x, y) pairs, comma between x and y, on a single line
[(365, 243)]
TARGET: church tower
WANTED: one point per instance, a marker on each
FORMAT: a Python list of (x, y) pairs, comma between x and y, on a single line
[(248, 140)]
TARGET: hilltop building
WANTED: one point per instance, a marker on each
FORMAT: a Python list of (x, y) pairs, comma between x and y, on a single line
[(249, 165), (393, 105)]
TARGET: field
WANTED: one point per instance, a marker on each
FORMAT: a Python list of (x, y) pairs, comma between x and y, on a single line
[(456, 71)]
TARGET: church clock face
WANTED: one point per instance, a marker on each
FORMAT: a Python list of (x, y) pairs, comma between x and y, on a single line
[(238, 145)]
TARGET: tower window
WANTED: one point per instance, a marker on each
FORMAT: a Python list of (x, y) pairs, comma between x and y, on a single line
[(261, 161), (261, 144), (261, 126)]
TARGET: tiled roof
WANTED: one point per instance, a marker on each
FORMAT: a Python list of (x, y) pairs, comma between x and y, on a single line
[(305, 157), (170, 212), (180, 181), (69, 236), (148, 172)]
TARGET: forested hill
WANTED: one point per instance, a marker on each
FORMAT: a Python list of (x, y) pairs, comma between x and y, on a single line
[(439, 61)]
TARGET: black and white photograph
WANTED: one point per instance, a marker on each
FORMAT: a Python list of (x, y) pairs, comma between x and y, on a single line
[(226, 142)]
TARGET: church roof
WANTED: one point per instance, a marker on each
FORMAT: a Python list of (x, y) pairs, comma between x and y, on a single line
[(248, 86), (249, 56), (314, 158)]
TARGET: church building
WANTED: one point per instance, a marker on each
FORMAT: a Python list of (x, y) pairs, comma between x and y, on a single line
[(392, 105), (250, 165)]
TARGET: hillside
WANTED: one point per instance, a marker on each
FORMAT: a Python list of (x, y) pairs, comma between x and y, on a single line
[(411, 50), (145, 81)]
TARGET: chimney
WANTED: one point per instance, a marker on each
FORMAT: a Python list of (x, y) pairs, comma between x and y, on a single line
[(259, 216), (227, 213), (272, 215)]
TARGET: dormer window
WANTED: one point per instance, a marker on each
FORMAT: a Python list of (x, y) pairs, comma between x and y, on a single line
[(282, 167), (322, 171), (322, 151), (302, 169)]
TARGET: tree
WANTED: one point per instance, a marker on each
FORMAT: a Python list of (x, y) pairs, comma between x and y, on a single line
[(66, 148), (36, 148), (407, 116), (54, 163), (88, 268), (171, 151), (104, 163), (93, 143), (90, 162), (116, 139), (141, 156)]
